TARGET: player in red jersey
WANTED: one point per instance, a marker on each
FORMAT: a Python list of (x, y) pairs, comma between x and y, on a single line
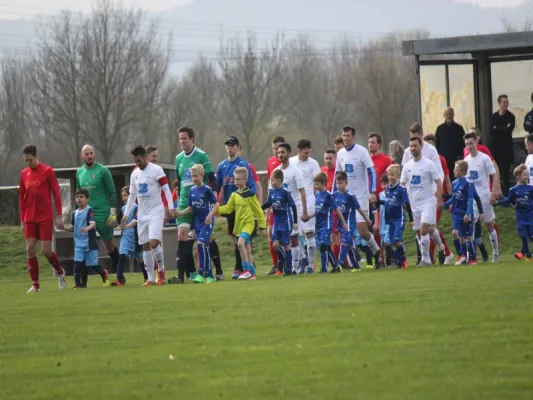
[(483, 149), (330, 162), (446, 189), (37, 182), (272, 163), (381, 163), (330, 158)]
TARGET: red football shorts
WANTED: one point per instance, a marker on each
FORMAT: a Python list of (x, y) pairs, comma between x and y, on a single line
[(42, 231)]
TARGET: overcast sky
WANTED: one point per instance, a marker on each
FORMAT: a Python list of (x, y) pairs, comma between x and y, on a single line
[(13, 9)]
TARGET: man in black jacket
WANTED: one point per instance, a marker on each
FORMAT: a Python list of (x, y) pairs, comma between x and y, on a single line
[(528, 120), (500, 141), (449, 140)]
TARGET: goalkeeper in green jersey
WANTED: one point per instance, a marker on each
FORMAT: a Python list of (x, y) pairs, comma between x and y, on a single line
[(96, 179), (190, 156)]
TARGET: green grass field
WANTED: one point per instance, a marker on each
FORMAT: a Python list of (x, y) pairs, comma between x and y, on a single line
[(440, 333)]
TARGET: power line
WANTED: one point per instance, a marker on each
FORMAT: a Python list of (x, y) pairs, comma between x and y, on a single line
[(200, 25)]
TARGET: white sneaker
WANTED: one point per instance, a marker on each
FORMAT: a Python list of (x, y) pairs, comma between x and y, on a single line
[(62, 281), (245, 275), (460, 260), (424, 264), (495, 258), (449, 259), (33, 289)]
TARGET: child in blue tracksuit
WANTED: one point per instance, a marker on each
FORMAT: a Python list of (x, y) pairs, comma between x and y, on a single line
[(396, 200), (383, 228), (348, 206), (521, 196), (129, 242), (324, 207), (202, 204), (85, 245), (285, 220), (462, 202)]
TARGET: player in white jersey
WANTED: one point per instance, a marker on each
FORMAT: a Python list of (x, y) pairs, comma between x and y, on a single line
[(529, 159), (362, 182), (419, 175), (146, 184), (309, 167), (428, 150), (480, 171), (293, 181)]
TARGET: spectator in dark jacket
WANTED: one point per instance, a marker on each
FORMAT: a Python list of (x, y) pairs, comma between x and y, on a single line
[(449, 140), (500, 141), (528, 120)]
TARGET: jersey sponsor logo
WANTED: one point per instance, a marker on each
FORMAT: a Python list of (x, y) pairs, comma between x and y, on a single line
[(198, 203), (349, 168), (276, 205), (285, 185), (187, 177), (416, 180), (523, 200), (473, 175), (143, 188), (319, 207), (32, 184), (391, 200), (92, 175), (229, 180), (530, 171)]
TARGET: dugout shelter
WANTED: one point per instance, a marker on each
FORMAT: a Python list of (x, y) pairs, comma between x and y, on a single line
[(468, 73)]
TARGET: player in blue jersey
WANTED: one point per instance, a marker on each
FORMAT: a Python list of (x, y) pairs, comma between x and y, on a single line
[(285, 221), (225, 186), (396, 201), (521, 196), (324, 207), (85, 245), (348, 206), (202, 204), (129, 241), (462, 209)]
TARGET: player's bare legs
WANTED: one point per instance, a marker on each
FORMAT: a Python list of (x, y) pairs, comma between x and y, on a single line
[(33, 263)]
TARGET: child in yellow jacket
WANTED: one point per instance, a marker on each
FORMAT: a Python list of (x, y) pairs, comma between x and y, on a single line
[(247, 208)]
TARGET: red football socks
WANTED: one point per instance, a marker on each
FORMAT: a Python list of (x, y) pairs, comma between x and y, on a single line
[(33, 269), (273, 254), (54, 262)]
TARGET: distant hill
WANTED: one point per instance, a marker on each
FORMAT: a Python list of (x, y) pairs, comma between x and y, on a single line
[(200, 25)]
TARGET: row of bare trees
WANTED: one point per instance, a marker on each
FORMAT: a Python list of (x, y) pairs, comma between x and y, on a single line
[(104, 79)]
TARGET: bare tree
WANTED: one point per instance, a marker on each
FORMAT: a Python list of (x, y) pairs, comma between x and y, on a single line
[(193, 101), (322, 94), (254, 87), (386, 86), (509, 27), (56, 85), (99, 78), (14, 129)]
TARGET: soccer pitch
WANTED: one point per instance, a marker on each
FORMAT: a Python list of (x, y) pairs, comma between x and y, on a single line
[(441, 333)]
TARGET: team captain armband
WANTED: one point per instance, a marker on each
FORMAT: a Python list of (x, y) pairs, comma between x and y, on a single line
[(163, 181)]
